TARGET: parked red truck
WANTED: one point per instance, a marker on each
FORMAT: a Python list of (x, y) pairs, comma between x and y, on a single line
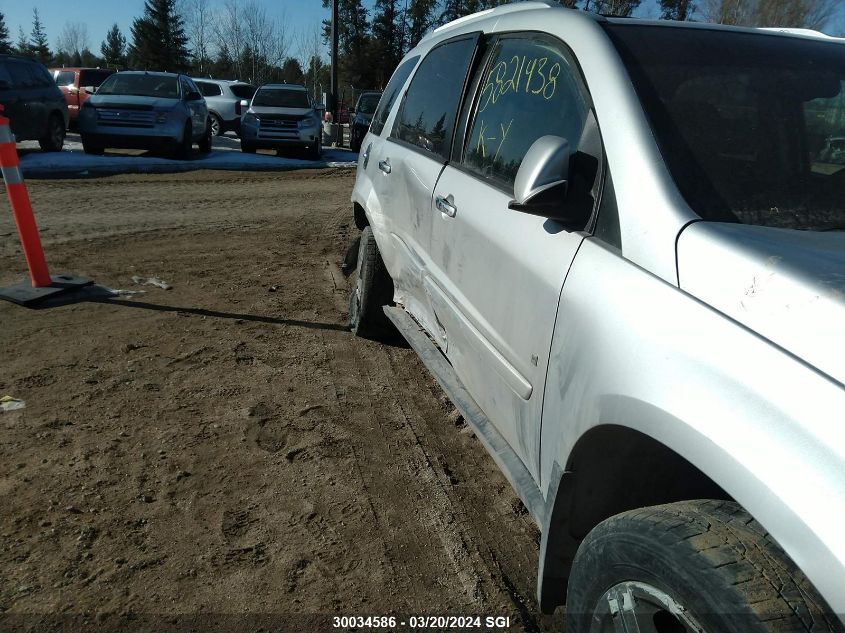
[(73, 83)]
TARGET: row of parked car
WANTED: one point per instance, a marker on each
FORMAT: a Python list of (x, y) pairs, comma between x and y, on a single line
[(157, 110)]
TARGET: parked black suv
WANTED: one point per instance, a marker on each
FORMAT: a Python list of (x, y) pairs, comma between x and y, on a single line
[(32, 102)]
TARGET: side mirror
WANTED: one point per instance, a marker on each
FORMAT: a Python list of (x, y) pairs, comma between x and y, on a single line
[(543, 178), (90, 89), (5, 85), (193, 96)]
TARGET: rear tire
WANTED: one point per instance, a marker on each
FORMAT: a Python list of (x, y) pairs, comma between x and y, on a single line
[(54, 139), (372, 290), (679, 566)]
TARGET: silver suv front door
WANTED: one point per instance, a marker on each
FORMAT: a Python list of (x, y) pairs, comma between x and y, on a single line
[(497, 274)]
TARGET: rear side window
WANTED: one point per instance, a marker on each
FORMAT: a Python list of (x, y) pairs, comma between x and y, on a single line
[(528, 90), (209, 90), (428, 114), (4, 74), (243, 91), (391, 92), (65, 78), (93, 77), (21, 77)]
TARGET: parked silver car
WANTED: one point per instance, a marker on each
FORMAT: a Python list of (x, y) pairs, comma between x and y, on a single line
[(609, 242), (281, 116), (223, 99), (148, 110)]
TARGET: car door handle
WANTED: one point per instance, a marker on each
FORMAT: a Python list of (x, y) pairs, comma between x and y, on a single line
[(384, 165), (445, 205)]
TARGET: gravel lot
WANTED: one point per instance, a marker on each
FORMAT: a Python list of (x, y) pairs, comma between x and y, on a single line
[(224, 455)]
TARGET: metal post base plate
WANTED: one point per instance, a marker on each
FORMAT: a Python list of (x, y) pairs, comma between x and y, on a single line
[(24, 294)]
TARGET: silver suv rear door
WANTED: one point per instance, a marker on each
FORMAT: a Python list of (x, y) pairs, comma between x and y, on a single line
[(410, 163)]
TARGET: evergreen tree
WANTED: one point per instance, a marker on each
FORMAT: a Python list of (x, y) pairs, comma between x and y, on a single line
[(419, 18), (38, 46), (5, 43), (113, 48), (354, 44), (622, 8), (676, 9), (388, 45), (158, 38), (22, 45), (292, 71)]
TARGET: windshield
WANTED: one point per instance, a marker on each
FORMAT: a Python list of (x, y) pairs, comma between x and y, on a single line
[(281, 98), (750, 125), (367, 103), (164, 86), (242, 91), (93, 77)]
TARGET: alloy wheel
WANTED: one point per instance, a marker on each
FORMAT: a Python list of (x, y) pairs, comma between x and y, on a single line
[(637, 607)]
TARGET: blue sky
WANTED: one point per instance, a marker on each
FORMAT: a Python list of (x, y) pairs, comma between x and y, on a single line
[(99, 15)]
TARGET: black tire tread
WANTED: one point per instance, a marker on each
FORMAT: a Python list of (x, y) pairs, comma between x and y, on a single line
[(377, 291), (739, 552)]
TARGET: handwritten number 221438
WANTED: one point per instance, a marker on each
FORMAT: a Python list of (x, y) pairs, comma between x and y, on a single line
[(540, 79)]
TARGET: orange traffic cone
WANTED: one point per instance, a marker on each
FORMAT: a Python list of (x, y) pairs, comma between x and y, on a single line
[(42, 284)]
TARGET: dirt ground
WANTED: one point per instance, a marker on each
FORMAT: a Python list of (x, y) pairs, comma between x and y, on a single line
[(225, 455)]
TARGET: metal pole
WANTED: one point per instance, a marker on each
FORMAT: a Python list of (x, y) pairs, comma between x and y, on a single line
[(335, 42)]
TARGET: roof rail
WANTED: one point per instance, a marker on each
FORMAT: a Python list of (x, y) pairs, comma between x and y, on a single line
[(502, 9), (796, 31)]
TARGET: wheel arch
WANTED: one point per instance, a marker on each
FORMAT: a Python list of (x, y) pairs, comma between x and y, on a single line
[(611, 468), (360, 215)]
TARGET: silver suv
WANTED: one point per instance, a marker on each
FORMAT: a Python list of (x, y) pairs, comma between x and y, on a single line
[(223, 99), (280, 117), (618, 245)]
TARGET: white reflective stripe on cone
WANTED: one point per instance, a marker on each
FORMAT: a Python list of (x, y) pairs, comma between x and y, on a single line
[(12, 175), (6, 134)]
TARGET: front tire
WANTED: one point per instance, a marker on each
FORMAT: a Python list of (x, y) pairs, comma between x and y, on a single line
[(91, 148), (316, 152), (186, 144), (690, 566), (54, 139), (205, 141), (372, 291)]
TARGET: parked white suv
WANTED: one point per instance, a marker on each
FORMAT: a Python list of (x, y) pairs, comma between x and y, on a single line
[(619, 247)]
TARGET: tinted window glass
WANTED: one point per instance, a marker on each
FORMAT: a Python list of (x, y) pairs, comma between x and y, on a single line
[(93, 77), (41, 76), (281, 98), (242, 91), (164, 86), (367, 103), (65, 77), (387, 100), (21, 77), (749, 125), (209, 90), (4, 73), (428, 113), (528, 90)]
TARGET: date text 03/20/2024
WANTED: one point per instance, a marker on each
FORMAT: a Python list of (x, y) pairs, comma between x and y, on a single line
[(440, 622)]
